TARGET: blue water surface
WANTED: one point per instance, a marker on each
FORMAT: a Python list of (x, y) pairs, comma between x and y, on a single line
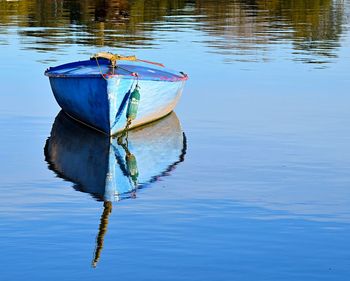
[(263, 190)]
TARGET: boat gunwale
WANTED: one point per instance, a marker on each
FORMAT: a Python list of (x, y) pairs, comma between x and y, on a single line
[(173, 77)]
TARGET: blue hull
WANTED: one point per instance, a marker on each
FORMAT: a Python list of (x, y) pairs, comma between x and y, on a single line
[(85, 99), (96, 100)]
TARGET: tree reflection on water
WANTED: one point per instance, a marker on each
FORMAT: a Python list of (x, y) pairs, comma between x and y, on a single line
[(232, 27)]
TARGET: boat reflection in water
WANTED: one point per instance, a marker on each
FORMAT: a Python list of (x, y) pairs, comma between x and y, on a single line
[(112, 169)]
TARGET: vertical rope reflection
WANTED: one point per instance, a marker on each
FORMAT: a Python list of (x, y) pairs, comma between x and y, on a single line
[(101, 232)]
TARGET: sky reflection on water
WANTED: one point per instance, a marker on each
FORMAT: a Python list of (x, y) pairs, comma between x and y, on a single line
[(264, 190)]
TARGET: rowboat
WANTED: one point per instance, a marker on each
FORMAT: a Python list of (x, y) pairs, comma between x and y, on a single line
[(112, 93), (110, 170)]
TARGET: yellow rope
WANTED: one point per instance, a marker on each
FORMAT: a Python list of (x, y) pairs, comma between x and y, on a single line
[(115, 57), (100, 69)]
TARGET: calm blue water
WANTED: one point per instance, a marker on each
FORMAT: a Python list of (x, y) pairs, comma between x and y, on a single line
[(263, 189)]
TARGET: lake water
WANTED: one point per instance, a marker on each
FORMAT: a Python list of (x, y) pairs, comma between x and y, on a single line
[(249, 180)]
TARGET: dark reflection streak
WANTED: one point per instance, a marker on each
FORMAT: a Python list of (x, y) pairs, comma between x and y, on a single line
[(101, 232)]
